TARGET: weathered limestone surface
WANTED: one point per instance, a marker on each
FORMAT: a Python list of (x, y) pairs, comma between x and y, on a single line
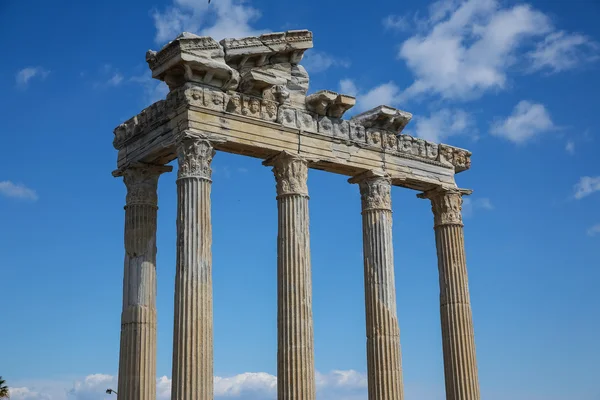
[(384, 360), (193, 328), (137, 357), (248, 96), (295, 352), (252, 92), (460, 364)]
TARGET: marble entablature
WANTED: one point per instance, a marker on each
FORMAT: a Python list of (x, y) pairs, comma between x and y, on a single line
[(260, 78)]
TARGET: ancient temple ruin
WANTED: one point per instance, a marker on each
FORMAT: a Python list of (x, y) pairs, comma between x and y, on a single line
[(249, 96)]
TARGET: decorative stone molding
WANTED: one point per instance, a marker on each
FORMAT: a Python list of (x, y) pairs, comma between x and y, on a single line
[(141, 182), (291, 173), (195, 155), (192, 58), (270, 48), (384, 117), (203, 73), (375, 190), (352, 131), (328, 103), (446, 204)]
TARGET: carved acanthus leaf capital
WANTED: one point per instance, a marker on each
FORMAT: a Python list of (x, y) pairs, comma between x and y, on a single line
[(375, 190), (195, 155), (291, 173), (142, 183), (446, 204)]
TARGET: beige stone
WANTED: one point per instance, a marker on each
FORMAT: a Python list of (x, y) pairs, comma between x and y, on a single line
[(193, 326), (458, 338), (137, 356), (295, 350), (384, 360), (248, 96)]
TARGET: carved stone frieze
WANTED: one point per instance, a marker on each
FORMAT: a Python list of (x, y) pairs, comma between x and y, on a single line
[(375, 190), (357, 132), (195, 155), (273, 88), (341, 129), (215, 99), (306, 121), (251, 107), (291, 173), (374, 138), (269, 110), (390, 141), (287, 117)]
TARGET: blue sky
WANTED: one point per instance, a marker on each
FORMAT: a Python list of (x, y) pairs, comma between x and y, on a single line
[(516, 83)]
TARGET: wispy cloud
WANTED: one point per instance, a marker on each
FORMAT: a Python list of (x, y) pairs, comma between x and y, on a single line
[(594, 230), (527, 121), (25, 75), (586, 186), (470, 206), (561, 51), (219, 19), (396, 22), (247, 386), (463, 49), (383, 94), (570, 147), (444, 123), (17, 191), (318, 61)]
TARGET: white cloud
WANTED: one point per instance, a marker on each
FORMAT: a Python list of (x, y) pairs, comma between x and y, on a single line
[(444, 123), (594, 230), (471, 205), (562, 51), (23, 393), (586, 186), (384, 94), (219, 19), (527, 121), (115, 80), (347, 86), (396, 22), (570, 147), (465, 48), (318, 61), (17, 191), (336, 385), (26, 74)]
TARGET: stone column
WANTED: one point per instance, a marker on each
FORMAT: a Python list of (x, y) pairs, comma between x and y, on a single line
[(295, 351), (137, 356), (460, 365), (384, 359), (193, 327)]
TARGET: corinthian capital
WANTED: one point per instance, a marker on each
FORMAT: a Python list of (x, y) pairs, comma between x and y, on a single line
[(142, 183), (291, 173), (446, 205), (194, 155), (375, 190)]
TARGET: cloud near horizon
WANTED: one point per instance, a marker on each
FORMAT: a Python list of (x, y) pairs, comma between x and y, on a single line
[(335, 385)]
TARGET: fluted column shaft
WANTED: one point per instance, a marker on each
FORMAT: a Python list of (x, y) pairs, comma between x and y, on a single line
[(137, 355), (193, 326), (460, 364), (295, 352), (384, 360)]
